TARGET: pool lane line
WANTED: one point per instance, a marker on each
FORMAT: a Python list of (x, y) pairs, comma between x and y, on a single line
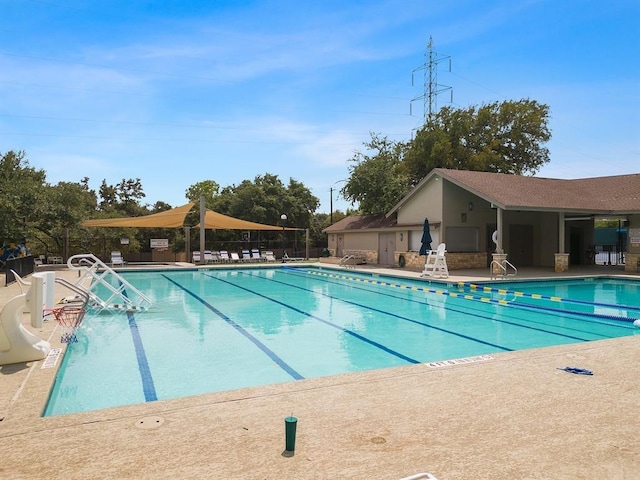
[(411, 320), (520, 325), (476, 298), (148, 387), (272, 355), (322, 320), (538, 296)]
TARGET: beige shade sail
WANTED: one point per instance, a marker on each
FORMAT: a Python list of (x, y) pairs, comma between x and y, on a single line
[(175, 217), (219, 221)]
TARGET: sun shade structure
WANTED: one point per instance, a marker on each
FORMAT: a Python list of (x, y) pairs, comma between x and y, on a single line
[(175, 218), (219, 221)]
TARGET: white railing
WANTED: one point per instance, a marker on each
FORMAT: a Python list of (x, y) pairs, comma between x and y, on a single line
[(120, 294), (503, 269)]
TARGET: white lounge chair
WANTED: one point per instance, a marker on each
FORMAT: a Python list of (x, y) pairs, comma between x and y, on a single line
[(234, 257), (224, 256), (269, 256), (436, 263), (246, 256), (208, 256), (195, 256), (116, 258), (255, 255)]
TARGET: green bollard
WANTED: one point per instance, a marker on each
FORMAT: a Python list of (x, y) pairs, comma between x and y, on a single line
[(290, 424)]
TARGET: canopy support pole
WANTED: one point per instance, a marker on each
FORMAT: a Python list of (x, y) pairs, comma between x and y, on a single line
[(202, 229)]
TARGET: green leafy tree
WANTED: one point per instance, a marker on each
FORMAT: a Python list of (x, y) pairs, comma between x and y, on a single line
[(505, 137), (377, 178), (23, 190), (66, 205), (207, 188)]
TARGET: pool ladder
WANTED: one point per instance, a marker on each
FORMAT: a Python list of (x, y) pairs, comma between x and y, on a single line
[(121, 295), (501, 269)]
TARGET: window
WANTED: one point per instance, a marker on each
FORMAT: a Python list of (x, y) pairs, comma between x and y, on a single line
[(463, 239)]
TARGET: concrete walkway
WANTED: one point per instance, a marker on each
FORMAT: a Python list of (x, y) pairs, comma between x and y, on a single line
[(514, 416)]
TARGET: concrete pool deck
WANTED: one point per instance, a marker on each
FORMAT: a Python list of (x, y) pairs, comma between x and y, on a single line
[(514, 416)]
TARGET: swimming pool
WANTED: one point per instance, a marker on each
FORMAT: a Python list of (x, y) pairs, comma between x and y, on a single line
[(221, 329)]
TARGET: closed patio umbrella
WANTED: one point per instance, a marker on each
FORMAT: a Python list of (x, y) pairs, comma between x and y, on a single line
[(426, 238)]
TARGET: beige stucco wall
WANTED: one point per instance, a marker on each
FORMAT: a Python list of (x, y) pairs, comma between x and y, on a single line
[(457, 213), (361, 241), (426, 202)]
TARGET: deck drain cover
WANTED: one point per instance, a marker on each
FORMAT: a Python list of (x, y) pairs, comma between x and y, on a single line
[(149, 423), (378, 440)]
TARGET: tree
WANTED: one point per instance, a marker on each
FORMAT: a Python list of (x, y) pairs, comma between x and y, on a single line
[(377, 180), (207, 188), (502, 137), (66, 205), (22, 188)]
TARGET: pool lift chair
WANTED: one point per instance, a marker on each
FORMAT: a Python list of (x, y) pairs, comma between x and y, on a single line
[(436, 263), (120, 294)]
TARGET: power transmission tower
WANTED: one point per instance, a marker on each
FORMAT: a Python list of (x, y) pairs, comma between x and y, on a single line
[(431, 86)]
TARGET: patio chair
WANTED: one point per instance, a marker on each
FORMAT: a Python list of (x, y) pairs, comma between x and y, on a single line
[(195, 257), (246, 256), (116, 258), (215, 256), (436, 263), (255, 255), (269, 256), (224, 256), (234, 257), (208, 256)]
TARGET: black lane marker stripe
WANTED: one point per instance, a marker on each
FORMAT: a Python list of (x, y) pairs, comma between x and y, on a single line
[(466, 337), (326, 322), (284, 365), (320, 279), (148, 386)]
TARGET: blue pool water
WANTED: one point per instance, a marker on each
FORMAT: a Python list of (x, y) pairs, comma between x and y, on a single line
[(212, 330)]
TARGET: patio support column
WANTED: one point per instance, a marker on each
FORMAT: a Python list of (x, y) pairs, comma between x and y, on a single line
[(561, 230), (499, 228), (561, 258), (202, 229), (498, 267)]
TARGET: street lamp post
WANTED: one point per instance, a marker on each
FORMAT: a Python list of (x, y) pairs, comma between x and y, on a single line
[(283, 218)]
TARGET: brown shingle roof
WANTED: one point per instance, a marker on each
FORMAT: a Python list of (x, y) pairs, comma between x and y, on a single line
[(360, 222), (615, 194)]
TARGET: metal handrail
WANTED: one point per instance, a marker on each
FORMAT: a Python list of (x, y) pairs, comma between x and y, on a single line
[(503, 267)]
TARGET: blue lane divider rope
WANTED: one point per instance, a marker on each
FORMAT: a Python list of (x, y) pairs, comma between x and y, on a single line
[(473, 297), (391, 314), (537, 296)]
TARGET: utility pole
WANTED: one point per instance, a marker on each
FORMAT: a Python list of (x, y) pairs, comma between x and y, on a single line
[(431, 86)]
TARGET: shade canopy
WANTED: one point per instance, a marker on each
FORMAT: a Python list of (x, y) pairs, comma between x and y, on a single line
[(175, 218), (219, 221)]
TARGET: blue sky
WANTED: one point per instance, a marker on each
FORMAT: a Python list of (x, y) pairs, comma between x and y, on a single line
[(176, 92)]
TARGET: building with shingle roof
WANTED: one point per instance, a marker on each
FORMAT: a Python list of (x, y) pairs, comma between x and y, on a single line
[(538, 221)]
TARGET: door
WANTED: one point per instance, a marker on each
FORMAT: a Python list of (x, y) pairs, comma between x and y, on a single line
[(340, 246), (521, 245), (387, 248)]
